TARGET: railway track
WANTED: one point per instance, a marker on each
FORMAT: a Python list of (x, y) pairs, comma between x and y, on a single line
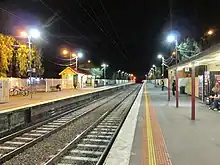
[(17, 142), (93, 144)]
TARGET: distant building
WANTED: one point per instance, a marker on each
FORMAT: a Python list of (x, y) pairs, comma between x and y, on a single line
[(80, 77)]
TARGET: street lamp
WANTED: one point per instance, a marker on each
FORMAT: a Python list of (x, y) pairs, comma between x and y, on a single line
[(159, 56), (210, 32), (31, 33), (65, 52), (172, 38), (35, 33)]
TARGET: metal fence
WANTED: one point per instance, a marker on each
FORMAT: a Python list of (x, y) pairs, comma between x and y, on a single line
[(44, 85)]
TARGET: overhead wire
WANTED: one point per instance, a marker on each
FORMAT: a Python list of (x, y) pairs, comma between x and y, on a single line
[(97, 24), (51, 20), (9, 12), (64, 65), (83, 37), (116, 32), (21, 18), (168, 59)]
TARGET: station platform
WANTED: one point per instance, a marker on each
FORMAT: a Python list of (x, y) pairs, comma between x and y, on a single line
[(17, 102), (157, 133)]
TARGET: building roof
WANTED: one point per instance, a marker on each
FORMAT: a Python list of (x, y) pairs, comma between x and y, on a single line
[(79, 71)]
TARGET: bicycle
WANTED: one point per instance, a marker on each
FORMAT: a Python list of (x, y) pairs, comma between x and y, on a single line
[(18, 91)]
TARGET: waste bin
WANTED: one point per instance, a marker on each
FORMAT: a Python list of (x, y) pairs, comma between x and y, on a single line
[(182, 90)]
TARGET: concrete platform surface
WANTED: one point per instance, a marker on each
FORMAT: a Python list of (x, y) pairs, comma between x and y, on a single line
[(157, 133), (16, 102)]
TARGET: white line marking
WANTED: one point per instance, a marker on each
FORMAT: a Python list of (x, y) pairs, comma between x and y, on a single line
[(91, 145), (86, 152), (81, 158), (96, 140), (12, 142), (7, 147)]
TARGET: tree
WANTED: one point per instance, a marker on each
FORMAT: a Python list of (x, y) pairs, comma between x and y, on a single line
[(188, 48), (14, 58), (22, 60), (97, 72), (158, 73), (37, 61), (6, 54)]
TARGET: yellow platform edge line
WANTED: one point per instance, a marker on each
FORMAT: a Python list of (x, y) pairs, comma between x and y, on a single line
[(150, 140)]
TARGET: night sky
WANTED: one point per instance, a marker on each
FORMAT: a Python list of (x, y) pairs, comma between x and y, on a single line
[(126, 34)]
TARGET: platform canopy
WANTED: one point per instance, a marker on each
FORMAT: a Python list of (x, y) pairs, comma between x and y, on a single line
[(207, 57)]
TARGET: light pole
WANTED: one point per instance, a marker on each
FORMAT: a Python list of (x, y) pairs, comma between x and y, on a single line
[(31, 33), (122, 76), (162, 64), (154, 71), (104, 68), (78, 55), (118, 74), (172, 38)]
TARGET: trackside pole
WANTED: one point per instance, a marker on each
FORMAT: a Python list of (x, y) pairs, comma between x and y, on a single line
[(168, 87), (193, 110)]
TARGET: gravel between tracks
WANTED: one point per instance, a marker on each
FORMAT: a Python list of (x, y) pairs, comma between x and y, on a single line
[(41, 151)]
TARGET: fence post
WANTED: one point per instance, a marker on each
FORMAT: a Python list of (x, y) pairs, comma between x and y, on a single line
[(46, 85)]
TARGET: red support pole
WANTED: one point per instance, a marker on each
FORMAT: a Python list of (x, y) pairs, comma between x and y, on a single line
[(193, 112), (177, 90), (168, 87)]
